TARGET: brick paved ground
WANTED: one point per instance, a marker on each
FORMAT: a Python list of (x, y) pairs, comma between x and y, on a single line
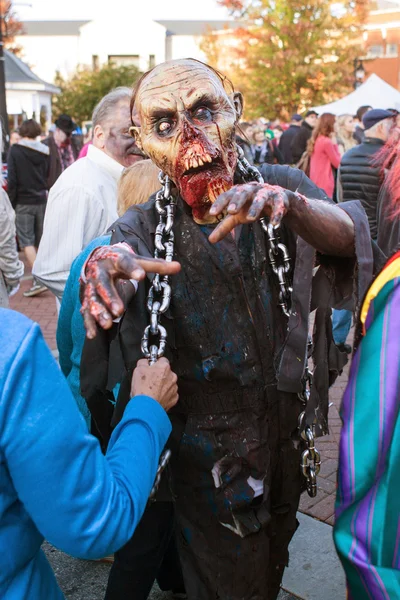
[(43, 310)]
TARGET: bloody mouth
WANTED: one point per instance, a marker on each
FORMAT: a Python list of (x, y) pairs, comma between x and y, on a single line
[(204, 171)]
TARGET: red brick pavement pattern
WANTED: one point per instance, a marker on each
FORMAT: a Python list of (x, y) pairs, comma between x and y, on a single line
[(43, 310)]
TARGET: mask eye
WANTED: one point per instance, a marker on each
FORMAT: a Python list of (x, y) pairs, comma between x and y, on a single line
[(164, 127), (202, 114)]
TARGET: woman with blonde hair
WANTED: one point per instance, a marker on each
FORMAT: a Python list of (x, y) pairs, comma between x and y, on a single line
[(263, 150), (345, 127), (137, 183)]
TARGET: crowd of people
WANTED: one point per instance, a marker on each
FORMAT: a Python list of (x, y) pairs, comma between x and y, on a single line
[(182, 234)]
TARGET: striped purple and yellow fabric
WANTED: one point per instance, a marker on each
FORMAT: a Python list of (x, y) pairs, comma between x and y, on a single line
[(367, 528)]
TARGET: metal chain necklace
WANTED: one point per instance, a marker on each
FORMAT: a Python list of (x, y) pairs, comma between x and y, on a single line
[(279, 259), (159, 297), (278, 253)]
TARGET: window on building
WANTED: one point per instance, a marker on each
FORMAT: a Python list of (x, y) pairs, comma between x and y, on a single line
[(152, 61), (122, 60), (95, 62), (392, 49), (375, 51)]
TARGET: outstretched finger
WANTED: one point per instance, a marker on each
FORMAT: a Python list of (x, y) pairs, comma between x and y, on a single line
[(223, 228), (153, 265)]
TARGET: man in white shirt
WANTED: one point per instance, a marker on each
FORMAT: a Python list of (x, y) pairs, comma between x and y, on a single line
[(82, 204)]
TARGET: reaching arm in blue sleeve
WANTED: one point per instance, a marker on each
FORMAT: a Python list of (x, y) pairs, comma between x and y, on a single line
[(82, 502)]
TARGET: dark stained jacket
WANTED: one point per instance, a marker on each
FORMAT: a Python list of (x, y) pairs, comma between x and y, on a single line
[(285, 143), (218, 368), (360, 178), (299, 142)]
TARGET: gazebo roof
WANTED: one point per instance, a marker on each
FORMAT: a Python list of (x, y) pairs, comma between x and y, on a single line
[(20, 76)]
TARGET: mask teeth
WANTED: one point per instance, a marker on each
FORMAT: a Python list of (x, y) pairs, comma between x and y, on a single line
[(215, 190), (197, 159)]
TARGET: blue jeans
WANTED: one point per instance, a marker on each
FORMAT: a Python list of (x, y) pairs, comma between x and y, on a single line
[(341, 323)]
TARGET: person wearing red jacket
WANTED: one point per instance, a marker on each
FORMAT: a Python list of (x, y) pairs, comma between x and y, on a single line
[(324, 154)]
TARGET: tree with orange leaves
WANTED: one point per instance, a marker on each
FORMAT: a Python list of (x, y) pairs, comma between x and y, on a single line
[(11, 26), (288, 55)]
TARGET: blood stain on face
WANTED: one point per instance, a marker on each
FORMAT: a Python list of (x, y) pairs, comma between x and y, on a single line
[(188, 129), (200, 170)]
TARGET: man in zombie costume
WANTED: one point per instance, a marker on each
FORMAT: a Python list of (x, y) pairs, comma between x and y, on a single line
[(237, 328)]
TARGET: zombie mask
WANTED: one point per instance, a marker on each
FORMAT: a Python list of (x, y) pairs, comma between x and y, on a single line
[(187, 127)]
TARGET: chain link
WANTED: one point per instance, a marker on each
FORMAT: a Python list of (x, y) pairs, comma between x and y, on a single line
[(279, 259), (310, 460), (278, 253), (280, 263), (310, 463), (159, 297)]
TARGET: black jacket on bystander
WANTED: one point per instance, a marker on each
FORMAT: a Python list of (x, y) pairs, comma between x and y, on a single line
[(285, 143), (28, 166), (299, 142), (361, 179)]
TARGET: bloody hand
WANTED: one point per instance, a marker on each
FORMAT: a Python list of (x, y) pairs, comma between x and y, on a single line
[(101, 302), (247, 203)]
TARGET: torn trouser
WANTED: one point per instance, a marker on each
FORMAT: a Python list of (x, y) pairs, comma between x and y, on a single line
[(234, 546)]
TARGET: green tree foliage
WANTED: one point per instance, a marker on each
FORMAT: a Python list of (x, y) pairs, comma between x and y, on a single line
[(290, 54), (81, 92)]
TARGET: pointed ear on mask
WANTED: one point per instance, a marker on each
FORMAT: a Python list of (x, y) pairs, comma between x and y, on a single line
[(237, 100), (135, 133)]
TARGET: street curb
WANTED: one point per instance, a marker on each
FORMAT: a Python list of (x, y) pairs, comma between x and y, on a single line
[(314, 571)]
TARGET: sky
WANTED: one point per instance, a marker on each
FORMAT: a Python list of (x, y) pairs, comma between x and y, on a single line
[(87, 9)]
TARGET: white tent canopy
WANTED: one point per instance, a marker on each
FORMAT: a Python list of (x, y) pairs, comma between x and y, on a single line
[(374, 92)]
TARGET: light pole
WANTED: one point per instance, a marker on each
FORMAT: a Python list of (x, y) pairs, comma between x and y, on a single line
[(3, 101), (359, 73)]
